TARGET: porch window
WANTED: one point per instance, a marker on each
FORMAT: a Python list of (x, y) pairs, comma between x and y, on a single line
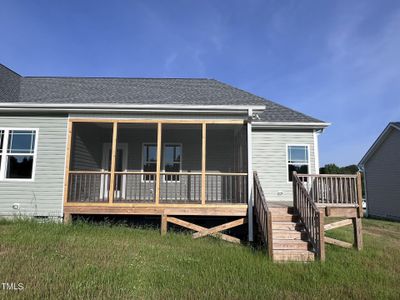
[(149, 161), (17, 149), (172, 161), (298, 159)]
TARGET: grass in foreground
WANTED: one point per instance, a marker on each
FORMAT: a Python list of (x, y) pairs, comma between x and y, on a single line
[(100, 261)]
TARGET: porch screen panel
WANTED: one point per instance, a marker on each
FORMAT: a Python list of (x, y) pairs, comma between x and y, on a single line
[(181, 163), (90, 161), (226, 163), (136, 159)]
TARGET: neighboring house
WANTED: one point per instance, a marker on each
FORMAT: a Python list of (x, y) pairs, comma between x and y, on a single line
[(381, 166), (168, 147)]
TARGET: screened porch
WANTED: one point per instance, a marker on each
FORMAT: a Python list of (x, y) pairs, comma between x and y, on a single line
[(121, 162)]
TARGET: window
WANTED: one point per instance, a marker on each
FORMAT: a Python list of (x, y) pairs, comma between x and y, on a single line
[(149, 161), (17, 149), (297, 160), (172, 160)]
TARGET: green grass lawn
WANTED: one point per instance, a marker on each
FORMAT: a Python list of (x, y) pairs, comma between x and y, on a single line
[(101, 261)]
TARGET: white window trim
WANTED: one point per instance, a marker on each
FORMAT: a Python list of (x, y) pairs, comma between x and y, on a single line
[(4, 154), (287, 159), (180, 163), (143, 161)]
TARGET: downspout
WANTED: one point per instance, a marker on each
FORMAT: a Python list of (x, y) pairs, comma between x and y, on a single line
[(250, 176), (316, 151), (361, 168)]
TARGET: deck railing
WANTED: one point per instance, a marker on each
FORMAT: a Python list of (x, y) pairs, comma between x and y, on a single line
[(180, 187), (310, 215), (141, 187), (88, 186), (226, 188), (263, 215), (134, 187), (332, 188)]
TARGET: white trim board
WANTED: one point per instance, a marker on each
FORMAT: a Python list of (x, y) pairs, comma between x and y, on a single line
[(101, 107), (316, 152), (290, 125)]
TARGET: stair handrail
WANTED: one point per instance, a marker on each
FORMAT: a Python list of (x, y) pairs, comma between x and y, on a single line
[(310, 215), (263, 214)]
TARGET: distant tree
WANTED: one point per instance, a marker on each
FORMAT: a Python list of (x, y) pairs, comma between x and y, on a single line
[(334, 169), (330, 169), (351, 169)]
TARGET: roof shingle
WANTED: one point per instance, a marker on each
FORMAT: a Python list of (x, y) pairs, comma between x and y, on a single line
[(141, 91)]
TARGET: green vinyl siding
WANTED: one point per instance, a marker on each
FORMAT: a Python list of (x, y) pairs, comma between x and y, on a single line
[(44, 195), (270, 159)]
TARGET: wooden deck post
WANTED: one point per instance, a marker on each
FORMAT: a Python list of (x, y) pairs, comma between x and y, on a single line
[(294, 190), (359, 195), (67, 160), (203, 162), (113, 160), (269, 236), (357, 227), (67, 218), (321, 253), (164, 224), (158, 167)]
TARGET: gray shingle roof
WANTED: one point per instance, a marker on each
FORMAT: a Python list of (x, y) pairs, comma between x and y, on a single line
[(275, 112), (9, 85), (133, 91), (142, 91)]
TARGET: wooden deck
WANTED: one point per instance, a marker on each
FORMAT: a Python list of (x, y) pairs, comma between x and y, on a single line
[(130, 191)]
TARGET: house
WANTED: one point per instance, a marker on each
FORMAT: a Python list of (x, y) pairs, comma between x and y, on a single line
[(381, 166), (152, 146)]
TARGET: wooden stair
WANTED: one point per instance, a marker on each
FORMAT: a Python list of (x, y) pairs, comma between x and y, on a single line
[(289, 239)]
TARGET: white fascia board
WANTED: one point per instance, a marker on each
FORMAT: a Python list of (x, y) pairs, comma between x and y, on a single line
[(292, 125), (135, 107), (395, 126)]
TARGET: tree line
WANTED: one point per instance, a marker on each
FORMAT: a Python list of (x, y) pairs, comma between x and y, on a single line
[(334, 169)]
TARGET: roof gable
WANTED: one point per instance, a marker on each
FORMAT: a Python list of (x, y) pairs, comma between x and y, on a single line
[(9, 85), (381, 138)]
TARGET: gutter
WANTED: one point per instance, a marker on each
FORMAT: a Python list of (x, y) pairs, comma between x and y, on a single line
[(290, 125), (112, 107)]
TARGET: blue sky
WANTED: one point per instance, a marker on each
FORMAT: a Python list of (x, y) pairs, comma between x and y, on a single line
[(338, 61)]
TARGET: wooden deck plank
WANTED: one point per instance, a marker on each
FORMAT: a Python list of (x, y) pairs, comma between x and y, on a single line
[(345, 212), (207, 210)]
